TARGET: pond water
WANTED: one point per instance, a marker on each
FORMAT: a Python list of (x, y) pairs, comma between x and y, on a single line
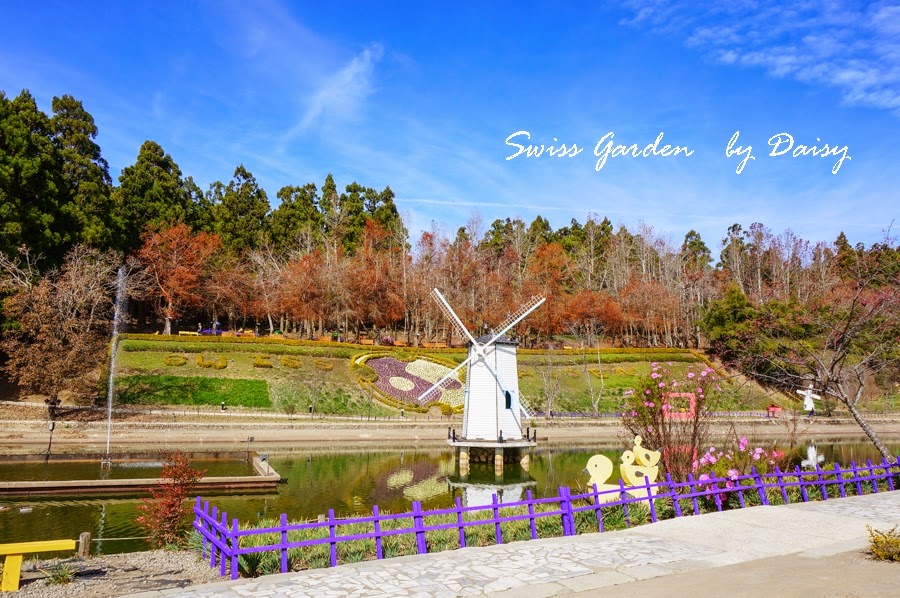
[(349, 483)]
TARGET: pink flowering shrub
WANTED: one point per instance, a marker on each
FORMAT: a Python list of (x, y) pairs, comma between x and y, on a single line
[(731, 464), (659, 410)]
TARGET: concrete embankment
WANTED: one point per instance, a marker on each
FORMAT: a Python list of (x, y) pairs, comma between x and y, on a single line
[(265, 481)]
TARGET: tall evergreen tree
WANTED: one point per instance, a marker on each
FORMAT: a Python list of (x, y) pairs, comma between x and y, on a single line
[(30, 182), (150, 196), (241, 215), (296, 222), (87, 187)]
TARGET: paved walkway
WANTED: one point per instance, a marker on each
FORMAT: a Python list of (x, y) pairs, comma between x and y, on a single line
[(813, 548)]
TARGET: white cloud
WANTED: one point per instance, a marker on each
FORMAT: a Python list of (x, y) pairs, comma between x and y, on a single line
[(852, 47), (341, 95)]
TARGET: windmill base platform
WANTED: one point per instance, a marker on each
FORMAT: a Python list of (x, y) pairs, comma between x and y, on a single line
[(487, 451)]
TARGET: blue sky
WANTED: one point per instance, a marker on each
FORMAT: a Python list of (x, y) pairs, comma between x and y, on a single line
[(422, 96)]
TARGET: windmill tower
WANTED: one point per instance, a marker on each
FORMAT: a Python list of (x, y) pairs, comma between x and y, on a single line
[(493, 411)]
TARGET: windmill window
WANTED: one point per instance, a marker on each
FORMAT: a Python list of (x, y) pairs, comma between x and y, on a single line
[(508, 400)]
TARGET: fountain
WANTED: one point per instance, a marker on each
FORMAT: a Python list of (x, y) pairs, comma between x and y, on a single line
[(120, 301)]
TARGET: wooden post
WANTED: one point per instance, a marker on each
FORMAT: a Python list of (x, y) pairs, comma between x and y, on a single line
[(84, 545)]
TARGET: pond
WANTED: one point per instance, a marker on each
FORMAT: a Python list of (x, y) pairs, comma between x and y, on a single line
[(348, 483)]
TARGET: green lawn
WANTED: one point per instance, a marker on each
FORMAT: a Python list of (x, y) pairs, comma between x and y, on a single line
[(191, 390)]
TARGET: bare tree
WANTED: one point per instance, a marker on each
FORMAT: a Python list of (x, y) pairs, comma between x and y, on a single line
[(844, 338), (62, 321)]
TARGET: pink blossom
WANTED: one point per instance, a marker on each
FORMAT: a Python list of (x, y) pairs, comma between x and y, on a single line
[(695, 465), (646, 392), (634, 414), (690, 374), (743, 443), (733, 474), (654, 375), (628, 392), (703, 477), (756, 456), (712, 458), (661, 384), (699, 390), (718, 387), (704, 372)]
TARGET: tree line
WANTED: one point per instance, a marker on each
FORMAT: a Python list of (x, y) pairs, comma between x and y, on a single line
[(325, 261)]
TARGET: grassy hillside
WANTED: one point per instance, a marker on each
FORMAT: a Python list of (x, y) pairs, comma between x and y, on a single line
[(290, 376)]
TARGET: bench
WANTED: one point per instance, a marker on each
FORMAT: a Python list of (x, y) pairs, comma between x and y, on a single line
[(188, 333), (366, 341), (435, 345), (400, 344), (324, 339), (12, 566)]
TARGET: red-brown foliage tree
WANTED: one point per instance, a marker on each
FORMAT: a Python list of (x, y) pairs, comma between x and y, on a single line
[(175, 262)]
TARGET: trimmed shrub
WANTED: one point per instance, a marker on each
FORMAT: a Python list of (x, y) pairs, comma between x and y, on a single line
[(219, 364), (175, 360)]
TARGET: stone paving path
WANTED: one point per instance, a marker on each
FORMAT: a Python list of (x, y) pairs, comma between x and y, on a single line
[(585, 563)]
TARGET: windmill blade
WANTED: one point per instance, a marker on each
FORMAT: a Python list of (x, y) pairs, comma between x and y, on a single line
[(523, 311), (530, 306), (445, 378), (451, 315)]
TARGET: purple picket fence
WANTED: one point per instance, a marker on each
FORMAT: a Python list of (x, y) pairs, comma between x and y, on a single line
[(221, 539)]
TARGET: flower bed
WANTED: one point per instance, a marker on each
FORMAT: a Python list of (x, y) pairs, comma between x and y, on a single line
[(405, 382)]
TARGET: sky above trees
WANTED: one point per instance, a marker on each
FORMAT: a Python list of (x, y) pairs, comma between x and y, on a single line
[(422, 98)]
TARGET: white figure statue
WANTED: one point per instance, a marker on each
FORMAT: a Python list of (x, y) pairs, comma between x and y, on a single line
[(808, 398)]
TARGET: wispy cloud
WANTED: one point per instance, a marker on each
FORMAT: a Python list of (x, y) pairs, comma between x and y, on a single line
[(341, 95), (853, 47)]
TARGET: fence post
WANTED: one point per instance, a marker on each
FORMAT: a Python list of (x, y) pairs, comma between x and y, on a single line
[(565, 505), (284, 542), (650, 500), (200, 526), (856, 478), (622, 496), (459, 523), (498, 532), (716, 497), (226, 540), (233, 542), (673, 494), (417, 525), (531, 523), (597, 511), (377, 527), (760, 486), (693, 494), (872, 476), (332, 534), (887, 474), (840, 477), (213, 549), (822, 489), (779, 479), (800, 482)]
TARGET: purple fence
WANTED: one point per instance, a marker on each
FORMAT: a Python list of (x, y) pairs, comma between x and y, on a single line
[(221, 539)]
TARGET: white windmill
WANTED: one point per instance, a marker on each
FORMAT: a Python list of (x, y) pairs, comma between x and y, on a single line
[(493, 410)]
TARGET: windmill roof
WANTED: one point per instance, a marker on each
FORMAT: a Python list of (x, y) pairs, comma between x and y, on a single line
[(503, 340)]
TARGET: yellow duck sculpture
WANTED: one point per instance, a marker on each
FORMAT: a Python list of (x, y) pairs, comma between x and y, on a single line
[(645, 469), (600, 468)]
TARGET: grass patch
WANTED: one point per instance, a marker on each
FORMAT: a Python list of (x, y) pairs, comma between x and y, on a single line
[(191, 390)]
